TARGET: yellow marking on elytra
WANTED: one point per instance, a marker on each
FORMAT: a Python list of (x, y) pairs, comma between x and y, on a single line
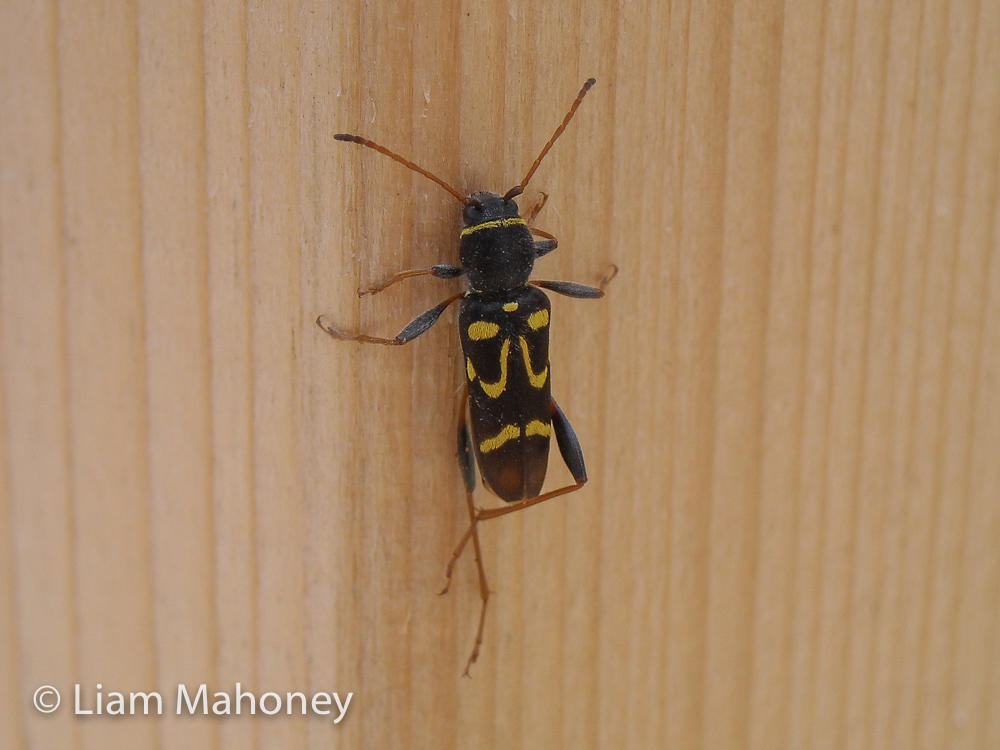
[(538, 319), (537, 427), (493, 390), (510, 307), (470, 369), (536, 379), (483, 329), (509, 432), (495, 224)]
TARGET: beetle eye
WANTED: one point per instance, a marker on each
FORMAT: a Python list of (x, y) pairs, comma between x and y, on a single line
[(472, 213)]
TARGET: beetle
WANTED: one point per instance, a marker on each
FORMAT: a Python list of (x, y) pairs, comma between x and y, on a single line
[(507, 412)]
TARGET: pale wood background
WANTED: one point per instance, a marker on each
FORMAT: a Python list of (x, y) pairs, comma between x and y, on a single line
[(789, 402)]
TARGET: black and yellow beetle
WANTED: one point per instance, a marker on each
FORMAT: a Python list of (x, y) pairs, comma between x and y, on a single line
[(507, 414)]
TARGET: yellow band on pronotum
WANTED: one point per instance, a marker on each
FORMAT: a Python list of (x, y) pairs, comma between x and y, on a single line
[(497, 223)]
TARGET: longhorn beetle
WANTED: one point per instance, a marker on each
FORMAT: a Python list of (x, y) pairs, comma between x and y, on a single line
[(507, 414)]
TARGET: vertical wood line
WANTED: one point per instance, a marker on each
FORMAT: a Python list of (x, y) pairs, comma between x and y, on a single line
[(937, 506), (73, 531), (675, 732), (800, 704), (976, 397), (854, 567), (906, 734), (758, 532), (992, 268), (598, 490), (143, 326), (885, 640)]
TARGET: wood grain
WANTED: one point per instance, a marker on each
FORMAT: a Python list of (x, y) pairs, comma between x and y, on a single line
[(789, 401)]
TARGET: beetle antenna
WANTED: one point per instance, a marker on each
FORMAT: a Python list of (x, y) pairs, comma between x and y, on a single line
[(405, 162), (519, 188)]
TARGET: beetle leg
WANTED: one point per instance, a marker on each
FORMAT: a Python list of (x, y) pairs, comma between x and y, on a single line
[(544, 247), (441, 271), (467, 465), (466, 458), (466, 462), (607, 277), (550, 243), (414, 328), (459, 548), (537, 208), (580, 291), (484, 589), (571, 289), (569, 444), (485, 514)]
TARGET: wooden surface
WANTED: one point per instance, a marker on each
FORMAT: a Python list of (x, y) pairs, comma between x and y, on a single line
[(789, 401)]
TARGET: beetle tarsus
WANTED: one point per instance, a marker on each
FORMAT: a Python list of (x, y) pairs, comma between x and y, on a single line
[(608, 276)]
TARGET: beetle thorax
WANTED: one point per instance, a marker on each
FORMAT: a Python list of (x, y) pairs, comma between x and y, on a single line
[(497, 251)]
